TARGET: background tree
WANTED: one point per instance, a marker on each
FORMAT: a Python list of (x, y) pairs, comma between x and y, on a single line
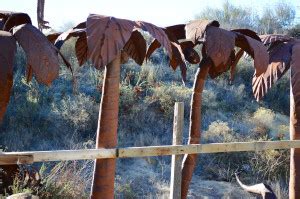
[(230, 16), (294, 31), (274, 19), (277, 19), (42, 24)]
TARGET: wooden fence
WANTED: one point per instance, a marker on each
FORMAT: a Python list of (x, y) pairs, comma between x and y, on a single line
[(176, 150)]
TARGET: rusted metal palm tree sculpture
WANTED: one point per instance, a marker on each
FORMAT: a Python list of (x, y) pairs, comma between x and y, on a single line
[(135, 48), (106, 37), (181, 50), (218, 56), (42, 61), (107, 42), (42, 56), (284, 54)]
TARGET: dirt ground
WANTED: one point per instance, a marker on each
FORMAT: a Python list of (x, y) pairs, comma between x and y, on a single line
[(202, 189)]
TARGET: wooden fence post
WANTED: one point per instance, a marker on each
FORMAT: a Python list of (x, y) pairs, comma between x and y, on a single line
[(175, 187)]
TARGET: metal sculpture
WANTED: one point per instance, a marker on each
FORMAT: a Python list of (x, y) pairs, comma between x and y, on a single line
[(284, 54), (42, 62), (42, 56), (108, 42), (218, 56), (181, 50)]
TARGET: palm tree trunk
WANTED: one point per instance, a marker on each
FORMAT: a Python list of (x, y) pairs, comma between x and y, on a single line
[(294, 187), (104, 172), (189, 161)]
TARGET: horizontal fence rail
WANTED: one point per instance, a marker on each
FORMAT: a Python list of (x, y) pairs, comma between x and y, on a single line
[(130, 152)]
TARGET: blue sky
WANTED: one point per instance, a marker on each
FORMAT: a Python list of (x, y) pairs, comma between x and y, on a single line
[(159, 12)]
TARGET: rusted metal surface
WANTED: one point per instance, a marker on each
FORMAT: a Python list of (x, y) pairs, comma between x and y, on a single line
[(107, 137), (294, 188), (216, 71), (189, 161), (153, 46), (279, 63), (107, 36), (81, 49), (248, 33), (136, 47), (284, 54), (42, 56), (181, 51), (256, 50), (195, 29), (219, 44), (190, 54), (53, 36), (128, 39), (295, 82), (177, 30), (40, 53), (272, 38), (218, 49), (67, 35), (7, 54), (16, 19)]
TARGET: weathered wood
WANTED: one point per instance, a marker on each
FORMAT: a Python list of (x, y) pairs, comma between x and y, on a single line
[(175, 187), (207, 148), (62, 155), (15, 159)]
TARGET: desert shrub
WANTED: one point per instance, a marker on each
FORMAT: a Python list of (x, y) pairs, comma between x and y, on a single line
[(128, 98), (270, 124), (219, 131), (67, 180), (209, 100), (221, 166), (295, 31), (264, 116), (269, 165), (230, 97), (280, 189), (168, 94), (123, 190), (78, 110), (278, 97), (272, 165)]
